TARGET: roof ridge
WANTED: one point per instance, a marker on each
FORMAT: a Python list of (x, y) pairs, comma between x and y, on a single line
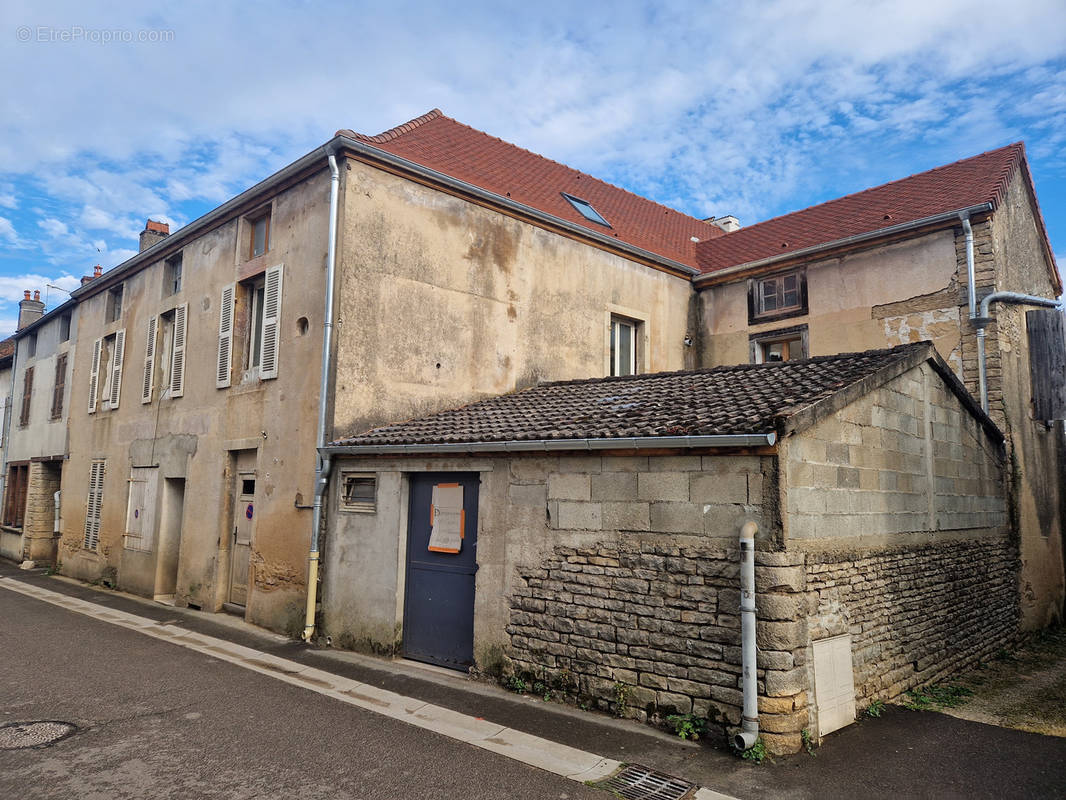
[(397, 131), (436, 113), (1001, 184), (901, 349), (585, 174)]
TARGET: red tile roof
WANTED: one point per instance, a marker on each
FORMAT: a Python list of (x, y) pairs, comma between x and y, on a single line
[(970, 182), (442, 144)]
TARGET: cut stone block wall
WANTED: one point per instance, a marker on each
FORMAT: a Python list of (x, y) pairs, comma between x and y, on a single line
[(648, 627), (39, 540), (916, 614)]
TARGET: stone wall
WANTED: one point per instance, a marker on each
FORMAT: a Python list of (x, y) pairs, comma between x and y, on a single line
[(646, 627), (906, 457), (39, 539), (916, 614)]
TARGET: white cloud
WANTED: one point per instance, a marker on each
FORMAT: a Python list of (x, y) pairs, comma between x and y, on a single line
[(53, 227), (12, 287), (7, 230)]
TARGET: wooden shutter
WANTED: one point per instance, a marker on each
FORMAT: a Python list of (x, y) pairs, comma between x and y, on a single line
[(225, 338), (140, 509), (149, 360), (60, 386), (94, 505), (268, 363), (177, 356), (1047, 362), (27, 396), (116, 367), (94, 375)]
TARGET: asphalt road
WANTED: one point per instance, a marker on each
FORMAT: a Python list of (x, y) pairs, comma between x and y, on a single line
[(159, 721)]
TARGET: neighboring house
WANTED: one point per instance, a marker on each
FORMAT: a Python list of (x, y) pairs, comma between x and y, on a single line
[(10, 541), (889, 265), (37, 433), (584, 534)]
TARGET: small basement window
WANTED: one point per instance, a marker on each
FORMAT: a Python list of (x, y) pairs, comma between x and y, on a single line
[(358, 491), (584, 207)]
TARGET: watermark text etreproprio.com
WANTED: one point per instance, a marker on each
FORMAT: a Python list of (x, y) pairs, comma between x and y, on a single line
[(76, 33)]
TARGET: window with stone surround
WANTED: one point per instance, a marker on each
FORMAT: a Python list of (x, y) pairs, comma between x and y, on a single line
[(777, 296)]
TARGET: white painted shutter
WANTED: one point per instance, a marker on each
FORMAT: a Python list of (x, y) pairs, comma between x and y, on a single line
[(94, 505), (140, 510), (225, 338), (177, 357), (135, 513), (268, 363), (94, 375), (116, 367), (149, 360), (834, 683)]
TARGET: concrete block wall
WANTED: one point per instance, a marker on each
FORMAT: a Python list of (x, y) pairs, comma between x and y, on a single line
[(906, 457), (916, 614), (688, 494)]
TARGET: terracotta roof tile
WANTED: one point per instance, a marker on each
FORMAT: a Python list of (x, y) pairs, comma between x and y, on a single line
[(970, 182), (744, 399), (459, 151)]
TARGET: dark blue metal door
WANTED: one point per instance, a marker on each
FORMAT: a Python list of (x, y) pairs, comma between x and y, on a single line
[(438, 614)]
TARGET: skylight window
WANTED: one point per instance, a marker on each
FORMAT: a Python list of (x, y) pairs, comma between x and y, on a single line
[(586, 210)]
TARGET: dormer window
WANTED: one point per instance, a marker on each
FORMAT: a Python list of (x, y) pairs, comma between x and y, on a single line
[(584, 207)]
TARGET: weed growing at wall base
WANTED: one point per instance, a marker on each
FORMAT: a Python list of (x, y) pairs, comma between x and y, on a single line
[(934, 697)]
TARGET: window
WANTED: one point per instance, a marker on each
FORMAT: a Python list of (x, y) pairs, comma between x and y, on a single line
[(15, 506), (140, 509), (359, 490), (27, 396), (94, 504), (31, 346), (782, 345), (584, 207), (114, 308), (775, 296), (172, 275), (264, 312), (625, 334), (260, 234), (164, 354), (60, 386), (105, 370), (64, 328)]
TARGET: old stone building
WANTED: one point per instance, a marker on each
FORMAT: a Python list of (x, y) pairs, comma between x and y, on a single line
[(595, 547), (36, 446), (889, 265)]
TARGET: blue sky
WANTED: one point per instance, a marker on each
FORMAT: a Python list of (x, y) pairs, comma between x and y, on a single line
[(753, 109)]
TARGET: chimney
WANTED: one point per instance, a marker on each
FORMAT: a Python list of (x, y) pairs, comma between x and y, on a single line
[(30, 310), (153, 232), (728, 223), (97, 272)]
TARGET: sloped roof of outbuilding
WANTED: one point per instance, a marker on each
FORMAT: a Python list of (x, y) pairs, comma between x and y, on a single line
[(748, 399)]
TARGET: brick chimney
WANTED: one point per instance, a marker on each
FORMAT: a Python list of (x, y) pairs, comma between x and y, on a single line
[(97, 272), (30, 310), (153, 232)]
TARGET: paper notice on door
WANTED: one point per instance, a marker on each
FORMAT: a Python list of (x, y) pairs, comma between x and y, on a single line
[(447, 518)]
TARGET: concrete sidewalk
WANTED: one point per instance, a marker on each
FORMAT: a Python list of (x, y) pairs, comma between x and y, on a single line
[(903, 753)]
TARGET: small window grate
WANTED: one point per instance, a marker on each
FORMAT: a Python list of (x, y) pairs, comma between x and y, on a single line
[(635, 782)]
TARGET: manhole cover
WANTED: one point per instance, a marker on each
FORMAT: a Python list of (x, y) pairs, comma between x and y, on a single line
[(22, 735), (635, 782)]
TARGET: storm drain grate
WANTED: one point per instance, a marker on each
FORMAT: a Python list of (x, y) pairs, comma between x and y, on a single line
[(40, 733), (635, 782)]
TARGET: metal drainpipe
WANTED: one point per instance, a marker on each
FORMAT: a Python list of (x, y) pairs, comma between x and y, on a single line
[(749, 725), (322, 462), (983, 320), (970, 270), (55, 524)]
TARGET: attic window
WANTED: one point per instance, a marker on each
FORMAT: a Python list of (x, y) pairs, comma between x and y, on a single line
[(586, 210)]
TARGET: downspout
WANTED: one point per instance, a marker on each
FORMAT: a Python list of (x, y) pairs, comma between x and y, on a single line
[(322, 461), (983, 320), (55, 525), (749, 725), (970, 270)]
